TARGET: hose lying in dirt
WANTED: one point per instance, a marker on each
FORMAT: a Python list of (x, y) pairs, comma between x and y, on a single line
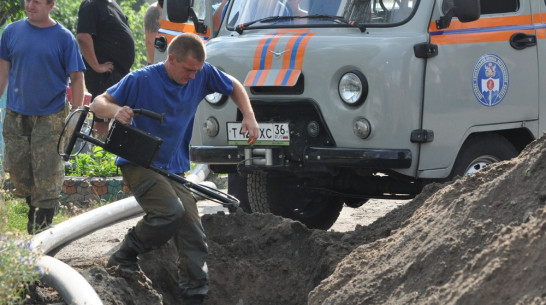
[(70, 284)]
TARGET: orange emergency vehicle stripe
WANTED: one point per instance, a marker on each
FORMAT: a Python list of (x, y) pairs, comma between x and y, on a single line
[(292, 60), (172, 29), (482, 30)]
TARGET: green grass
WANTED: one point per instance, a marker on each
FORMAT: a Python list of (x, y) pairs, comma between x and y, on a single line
[(17, 258), (14, 214)]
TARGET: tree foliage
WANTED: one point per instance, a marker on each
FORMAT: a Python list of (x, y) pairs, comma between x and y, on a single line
[(11, 10)]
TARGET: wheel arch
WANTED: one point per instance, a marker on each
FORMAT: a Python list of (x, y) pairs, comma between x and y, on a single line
[(517, 137)]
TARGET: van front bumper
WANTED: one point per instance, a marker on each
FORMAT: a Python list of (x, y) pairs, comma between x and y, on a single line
[(325, 156)]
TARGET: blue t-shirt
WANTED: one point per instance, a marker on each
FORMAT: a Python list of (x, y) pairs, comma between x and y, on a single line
[(151, 88), (41, 61)]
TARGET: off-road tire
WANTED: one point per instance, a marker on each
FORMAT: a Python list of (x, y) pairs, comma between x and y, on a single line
[(484, 149), (278, 195)]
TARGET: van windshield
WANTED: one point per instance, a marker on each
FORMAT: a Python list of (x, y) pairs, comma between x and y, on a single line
[(298, 13)]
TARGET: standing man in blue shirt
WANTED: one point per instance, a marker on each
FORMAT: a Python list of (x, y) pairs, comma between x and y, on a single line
[(37, 58), (174, 87)]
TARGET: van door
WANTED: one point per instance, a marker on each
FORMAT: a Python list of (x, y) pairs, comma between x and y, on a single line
[(485, 75), (197, 21), (541, 44)]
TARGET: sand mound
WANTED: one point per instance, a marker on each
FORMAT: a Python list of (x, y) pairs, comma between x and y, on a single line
[(480, 240)]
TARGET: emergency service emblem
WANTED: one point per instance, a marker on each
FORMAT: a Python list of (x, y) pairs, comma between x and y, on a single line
[(490, 80)]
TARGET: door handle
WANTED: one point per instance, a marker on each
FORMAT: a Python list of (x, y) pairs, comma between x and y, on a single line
[(520, 41)]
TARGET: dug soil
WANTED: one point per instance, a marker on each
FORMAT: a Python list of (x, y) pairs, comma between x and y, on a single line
[(479, 240)]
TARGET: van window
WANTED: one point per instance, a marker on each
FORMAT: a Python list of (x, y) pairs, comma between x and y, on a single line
[(319, 12), (489, 6), (498, 6)]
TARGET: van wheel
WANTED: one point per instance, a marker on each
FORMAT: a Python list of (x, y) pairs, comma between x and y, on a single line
[(355, 202), (281, 196), (480, 151)]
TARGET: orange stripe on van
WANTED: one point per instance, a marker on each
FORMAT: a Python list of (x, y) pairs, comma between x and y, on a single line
[(289, 46), (280, 77), (294, 77), (263, 77), (485, 30), (476, 37), (484, 23), (541, 33), (259, 51), (301, 51), (269, 55), (166, 27), (250, 78)]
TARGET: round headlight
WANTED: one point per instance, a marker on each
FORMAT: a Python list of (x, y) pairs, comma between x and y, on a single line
[(216, 99), (353, 88)]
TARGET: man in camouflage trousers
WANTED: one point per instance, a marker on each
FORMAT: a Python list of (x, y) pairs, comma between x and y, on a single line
[(37, 58)]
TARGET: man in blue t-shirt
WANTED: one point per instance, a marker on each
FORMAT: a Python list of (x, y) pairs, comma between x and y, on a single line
[(174, 87), (37, 58)]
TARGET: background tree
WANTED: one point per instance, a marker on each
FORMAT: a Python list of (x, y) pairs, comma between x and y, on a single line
[(11, 10)]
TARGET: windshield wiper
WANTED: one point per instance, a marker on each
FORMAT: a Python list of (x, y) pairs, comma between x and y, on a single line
[(338, 19), (241, 27)]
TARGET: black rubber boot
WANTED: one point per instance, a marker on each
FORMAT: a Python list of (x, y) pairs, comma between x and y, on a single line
[(125, 258), (31, 210), (43, 220)]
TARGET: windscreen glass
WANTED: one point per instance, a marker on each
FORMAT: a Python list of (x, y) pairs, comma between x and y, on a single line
[(298, 13)]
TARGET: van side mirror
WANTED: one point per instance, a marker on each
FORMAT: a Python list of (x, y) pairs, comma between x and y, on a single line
[(180, 11), (464, 10)]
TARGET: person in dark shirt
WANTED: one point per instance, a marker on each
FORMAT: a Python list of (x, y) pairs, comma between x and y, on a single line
[(108, 48)]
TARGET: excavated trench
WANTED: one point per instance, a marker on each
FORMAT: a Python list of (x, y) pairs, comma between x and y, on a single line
[(480, 240)]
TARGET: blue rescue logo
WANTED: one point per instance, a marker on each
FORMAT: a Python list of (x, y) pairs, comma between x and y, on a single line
[(490, 80)]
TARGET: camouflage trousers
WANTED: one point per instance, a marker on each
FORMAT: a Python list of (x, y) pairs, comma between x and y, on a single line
[(31, 157), (171, 212)]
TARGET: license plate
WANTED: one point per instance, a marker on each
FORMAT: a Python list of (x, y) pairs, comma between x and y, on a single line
[(270, 134)]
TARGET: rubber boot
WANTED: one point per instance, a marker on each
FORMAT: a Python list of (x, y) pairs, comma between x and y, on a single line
[(125, 258), (31, 210), (43, 220)]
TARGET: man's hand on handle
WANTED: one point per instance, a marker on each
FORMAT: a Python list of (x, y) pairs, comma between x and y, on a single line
[(124, 115)]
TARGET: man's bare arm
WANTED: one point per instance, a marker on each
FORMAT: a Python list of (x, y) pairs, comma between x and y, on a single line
[(5, 66), (77, 81), (88, 52), (105, 106), (242, 101)]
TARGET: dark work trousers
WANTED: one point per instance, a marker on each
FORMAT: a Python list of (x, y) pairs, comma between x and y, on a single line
[(171, 211)]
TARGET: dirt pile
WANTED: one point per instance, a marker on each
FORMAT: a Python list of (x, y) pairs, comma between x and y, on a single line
[(479, 240)]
